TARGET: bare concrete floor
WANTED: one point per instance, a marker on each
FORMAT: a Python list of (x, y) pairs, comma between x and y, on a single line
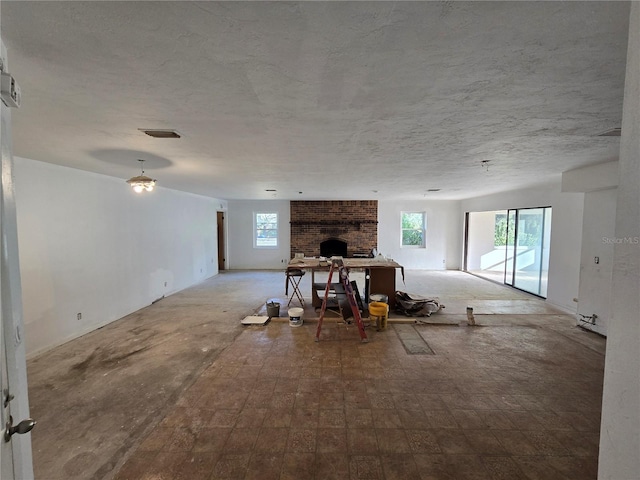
[(181, 390)]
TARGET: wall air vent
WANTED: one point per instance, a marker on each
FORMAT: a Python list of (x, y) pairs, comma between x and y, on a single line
[(614, 132), (160, 133)]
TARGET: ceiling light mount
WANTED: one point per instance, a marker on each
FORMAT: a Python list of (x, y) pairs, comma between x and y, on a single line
[(141, 182), (485, 164)]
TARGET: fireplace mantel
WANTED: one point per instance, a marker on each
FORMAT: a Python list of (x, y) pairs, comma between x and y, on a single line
[(333, 222)]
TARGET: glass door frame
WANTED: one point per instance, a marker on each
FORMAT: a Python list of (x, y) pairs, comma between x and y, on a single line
[(514, 248)]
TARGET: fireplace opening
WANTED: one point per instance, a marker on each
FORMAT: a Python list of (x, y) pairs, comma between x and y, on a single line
[(333, 247)]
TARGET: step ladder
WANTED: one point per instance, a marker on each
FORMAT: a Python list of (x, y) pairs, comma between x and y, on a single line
[(343, 273)]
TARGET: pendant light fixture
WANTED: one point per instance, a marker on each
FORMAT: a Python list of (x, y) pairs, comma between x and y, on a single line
[(141, 182)]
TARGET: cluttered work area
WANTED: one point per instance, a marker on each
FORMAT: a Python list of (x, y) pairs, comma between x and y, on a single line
[(362, 291)]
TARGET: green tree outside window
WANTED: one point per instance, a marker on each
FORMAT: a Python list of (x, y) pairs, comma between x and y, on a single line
[(266, 230), (413, 229)]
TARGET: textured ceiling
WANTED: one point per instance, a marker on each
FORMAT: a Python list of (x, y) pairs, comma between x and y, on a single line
[(337, 100)]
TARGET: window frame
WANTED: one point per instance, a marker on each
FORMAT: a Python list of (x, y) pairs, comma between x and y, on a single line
[(276, 229), (423, 230)]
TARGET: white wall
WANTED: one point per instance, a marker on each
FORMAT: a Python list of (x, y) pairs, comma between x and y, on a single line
[(444, 231), (241, 253), (620, 426), (598, 237), (566, 231), (90, 245), (591, 178), (483, 255), (444, 234)]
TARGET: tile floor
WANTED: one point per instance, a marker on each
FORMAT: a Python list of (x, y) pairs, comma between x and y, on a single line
[(510, 400), (181, 390)]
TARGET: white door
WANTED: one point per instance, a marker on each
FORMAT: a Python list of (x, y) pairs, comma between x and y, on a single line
[(15, 439), (6, 450)]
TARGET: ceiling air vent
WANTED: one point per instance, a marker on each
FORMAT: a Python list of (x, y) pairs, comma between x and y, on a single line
[(614, 132), (160, 133)]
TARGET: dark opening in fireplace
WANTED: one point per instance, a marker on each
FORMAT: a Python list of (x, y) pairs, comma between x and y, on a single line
[(333, 247)]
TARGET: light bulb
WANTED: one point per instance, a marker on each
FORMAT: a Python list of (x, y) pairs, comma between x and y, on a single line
[(149, 188), (138, 188)]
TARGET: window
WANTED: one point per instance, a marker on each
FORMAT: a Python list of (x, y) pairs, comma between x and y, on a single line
[(500, 230), (266, 228), (414, 226)]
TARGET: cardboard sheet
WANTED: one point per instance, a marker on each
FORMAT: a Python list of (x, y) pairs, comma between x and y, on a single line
[(255, 320)]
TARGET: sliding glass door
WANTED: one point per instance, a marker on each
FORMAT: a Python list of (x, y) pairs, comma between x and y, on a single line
[(510, 246), (527, 252)]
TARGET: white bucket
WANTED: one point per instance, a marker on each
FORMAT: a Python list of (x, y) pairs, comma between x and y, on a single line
[(295, 316), (379, 297)]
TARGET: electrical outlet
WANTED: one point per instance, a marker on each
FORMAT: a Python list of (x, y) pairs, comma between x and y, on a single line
[(596, 260), (79, 316)]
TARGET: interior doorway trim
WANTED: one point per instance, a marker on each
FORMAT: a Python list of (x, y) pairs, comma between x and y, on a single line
[(222, 246)]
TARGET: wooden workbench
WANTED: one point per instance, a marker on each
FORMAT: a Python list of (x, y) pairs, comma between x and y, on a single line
[(380, 275)]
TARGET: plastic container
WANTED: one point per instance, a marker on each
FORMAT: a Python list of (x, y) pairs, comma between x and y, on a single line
[(295, 317), (273, 309), (379, 313)]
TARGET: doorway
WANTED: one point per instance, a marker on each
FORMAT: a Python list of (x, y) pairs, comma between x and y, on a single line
[(510, 247), (221, 244)]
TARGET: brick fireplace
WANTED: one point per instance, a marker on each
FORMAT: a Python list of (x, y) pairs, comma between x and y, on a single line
[(354, 222)]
